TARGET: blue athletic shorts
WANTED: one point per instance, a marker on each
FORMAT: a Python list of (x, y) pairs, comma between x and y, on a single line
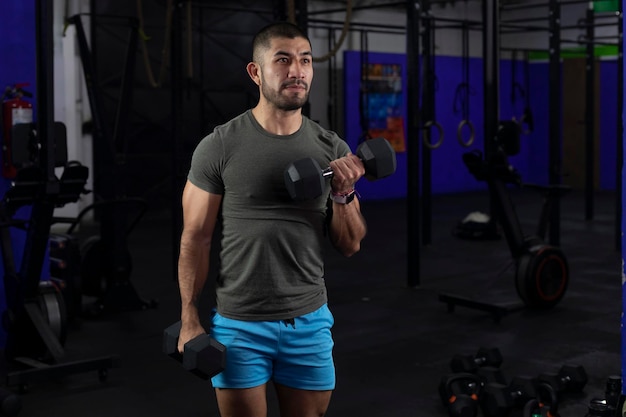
[(296, 353)]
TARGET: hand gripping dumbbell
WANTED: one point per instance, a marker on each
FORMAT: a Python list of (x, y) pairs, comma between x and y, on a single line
[(571, 378), (305, 178), (499, 400), (203, 356), (471, 363)]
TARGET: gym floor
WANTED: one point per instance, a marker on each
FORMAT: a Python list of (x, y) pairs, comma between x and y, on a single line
[(393, 343)]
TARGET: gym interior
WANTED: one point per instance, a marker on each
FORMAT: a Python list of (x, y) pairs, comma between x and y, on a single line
[(490, 280)]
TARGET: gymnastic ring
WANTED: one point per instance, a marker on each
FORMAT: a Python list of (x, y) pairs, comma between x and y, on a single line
[(521, 123), (459, 131), (437, 144)]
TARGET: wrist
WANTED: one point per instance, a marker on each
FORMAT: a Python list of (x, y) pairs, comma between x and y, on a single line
[(344, 197), (341, 193)]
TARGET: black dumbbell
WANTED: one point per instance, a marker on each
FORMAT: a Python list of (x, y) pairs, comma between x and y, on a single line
[(598, 407), (499, 399), (305, 178), (613, 391), (471, 363), (571, 378), (203, 356), (460, 394)]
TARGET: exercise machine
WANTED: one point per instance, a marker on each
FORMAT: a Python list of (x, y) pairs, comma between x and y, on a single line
[(542, 271), (36, 316)]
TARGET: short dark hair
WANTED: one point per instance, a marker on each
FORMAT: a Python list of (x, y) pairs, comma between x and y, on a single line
[(275, 30)]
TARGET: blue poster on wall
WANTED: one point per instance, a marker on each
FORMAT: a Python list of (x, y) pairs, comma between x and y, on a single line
[(383, 102), (375, 106)]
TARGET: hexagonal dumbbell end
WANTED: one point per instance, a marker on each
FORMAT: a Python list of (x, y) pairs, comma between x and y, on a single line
[(304, 179), (569, 379), (574, 377), (498, 399), (170, 341), (522, 389), (204, 356), (488, 357), (378, 157), (463, 363), (470, 363)]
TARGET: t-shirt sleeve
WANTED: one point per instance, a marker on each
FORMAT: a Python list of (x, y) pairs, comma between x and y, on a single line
[(206, 165), (343, 148)]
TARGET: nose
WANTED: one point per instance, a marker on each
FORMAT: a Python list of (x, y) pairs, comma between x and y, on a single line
[(296, 70)]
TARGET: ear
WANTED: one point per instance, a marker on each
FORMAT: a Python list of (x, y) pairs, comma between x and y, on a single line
[(254, 70)]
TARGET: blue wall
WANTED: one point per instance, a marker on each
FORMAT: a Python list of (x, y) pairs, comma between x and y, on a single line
[(449, 175), (608, 124), (18, 65)]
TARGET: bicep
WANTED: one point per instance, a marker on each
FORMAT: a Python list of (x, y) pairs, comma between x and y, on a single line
[(200, 210)]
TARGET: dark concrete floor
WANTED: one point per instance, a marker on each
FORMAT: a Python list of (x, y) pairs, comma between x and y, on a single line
[(393, 343)]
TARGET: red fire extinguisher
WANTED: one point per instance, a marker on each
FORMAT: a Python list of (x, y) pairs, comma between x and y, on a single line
[(14, 110)]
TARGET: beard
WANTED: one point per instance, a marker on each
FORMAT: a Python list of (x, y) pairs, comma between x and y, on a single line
[(288, 102)]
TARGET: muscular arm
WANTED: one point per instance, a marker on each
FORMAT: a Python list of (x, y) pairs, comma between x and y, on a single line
[(200, 210), (347, 226)]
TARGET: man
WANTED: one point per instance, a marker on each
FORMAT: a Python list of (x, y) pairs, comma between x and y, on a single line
[(271, 311)]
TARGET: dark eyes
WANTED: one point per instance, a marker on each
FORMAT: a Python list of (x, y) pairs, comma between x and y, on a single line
[(286, 60)]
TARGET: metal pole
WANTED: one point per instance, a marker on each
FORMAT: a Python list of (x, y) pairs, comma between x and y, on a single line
[(491, 73), (43, 206), (331, 105), (413, 142), (590, 110), (340, 24), (427, 115), (619, 152), (555, 106), (491, 80), (355, 8), (45, 87)]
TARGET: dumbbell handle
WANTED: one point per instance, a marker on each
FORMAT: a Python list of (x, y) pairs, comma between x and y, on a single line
[(379, 143), (327, 172)]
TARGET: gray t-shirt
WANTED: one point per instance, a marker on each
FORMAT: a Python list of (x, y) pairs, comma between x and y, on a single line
[(272, 246)]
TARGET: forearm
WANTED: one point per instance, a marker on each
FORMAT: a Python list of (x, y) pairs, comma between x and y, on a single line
[(193, 267), (347, 227)]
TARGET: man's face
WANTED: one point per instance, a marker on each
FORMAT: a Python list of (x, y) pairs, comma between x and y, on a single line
[(286, 73)]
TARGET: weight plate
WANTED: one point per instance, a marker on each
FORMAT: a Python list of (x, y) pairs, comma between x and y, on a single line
[(542, 277), (26, 341), (52, 306)]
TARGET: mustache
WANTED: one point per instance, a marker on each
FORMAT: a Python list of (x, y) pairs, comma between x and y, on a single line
[(296, 82)]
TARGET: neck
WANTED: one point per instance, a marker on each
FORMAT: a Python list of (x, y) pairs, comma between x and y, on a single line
[(278, 122)]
